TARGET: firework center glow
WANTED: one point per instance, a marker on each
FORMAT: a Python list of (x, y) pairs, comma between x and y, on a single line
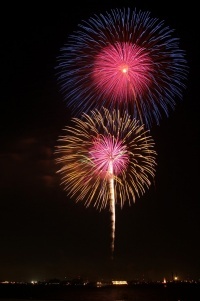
[(122, 70), (109, 156)]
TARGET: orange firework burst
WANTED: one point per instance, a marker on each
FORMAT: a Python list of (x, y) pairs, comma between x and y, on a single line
[(106, 159)]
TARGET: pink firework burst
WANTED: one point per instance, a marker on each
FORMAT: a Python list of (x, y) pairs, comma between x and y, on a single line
[(124, 59), (109, 156), (122, 71)]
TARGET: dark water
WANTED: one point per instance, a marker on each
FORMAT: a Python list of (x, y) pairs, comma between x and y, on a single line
[(132, 293)]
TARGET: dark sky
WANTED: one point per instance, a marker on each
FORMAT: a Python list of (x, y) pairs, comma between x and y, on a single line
[(44, 234)]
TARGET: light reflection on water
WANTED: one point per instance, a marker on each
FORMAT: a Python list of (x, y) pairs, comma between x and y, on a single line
[(190, 293)]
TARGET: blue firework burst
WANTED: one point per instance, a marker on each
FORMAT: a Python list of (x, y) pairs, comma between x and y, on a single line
[(124, 59)]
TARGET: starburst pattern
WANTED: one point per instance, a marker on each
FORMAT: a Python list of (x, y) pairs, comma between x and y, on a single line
[(124, 60), (106, 159)]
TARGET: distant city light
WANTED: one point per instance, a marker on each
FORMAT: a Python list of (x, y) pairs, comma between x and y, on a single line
[(121, 282), (34, 282)]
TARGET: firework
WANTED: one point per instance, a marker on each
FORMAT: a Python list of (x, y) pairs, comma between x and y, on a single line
[(105, 159), (125, 60)]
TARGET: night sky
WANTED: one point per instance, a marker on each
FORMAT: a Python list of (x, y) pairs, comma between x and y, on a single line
[(44, 233)]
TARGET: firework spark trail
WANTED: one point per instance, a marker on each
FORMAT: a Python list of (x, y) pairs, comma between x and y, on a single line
[(106, 158), (124, 59), (112, 204)]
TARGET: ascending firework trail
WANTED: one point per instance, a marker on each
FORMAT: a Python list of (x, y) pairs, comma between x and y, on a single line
[(105, 158)]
